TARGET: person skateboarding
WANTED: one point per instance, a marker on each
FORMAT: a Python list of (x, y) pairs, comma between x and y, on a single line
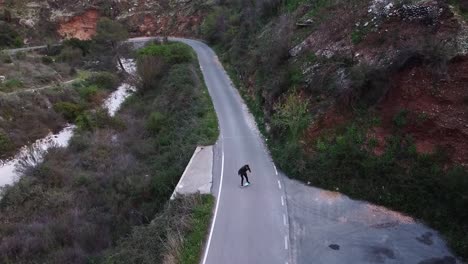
[(243, 173)]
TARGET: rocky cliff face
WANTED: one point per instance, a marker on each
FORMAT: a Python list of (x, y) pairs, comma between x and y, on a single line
[(78, 19), (81, 26)]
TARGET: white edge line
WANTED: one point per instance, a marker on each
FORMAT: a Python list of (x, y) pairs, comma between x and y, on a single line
[(286, 242), (216, 210), (198, 149), (279, 184), (276, 171)]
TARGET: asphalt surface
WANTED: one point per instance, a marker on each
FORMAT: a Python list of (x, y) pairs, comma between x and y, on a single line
[(330, 228)]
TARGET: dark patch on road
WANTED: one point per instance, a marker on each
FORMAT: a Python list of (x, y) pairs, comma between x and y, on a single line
[(334, 246), (444, 260), (426, 238), (380, 254)]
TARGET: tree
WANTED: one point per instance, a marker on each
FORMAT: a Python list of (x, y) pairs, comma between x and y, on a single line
[(109, 34)]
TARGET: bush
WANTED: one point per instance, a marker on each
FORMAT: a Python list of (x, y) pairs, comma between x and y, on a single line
[(47, 60), (9, 38), (155, 122), (5, 58), (5, 143), (70, 55), (400, 119), (12, 84), (74, 43), (20, 55), (292, 116), (150, 69), (176, 235), (100, 119), (171, 53), (214, 26), (104, 80), (88, 92), (69, 110)]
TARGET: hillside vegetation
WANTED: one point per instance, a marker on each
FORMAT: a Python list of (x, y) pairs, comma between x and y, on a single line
[(364, 97), (117, 174)]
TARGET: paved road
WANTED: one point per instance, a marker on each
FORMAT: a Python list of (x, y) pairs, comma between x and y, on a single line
[(248, 225), (330, 228), (13, 51)]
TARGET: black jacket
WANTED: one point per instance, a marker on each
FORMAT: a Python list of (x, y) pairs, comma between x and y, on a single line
[(243, 170)]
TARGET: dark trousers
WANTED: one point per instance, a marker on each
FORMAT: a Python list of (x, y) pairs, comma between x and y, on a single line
[(242, 179)]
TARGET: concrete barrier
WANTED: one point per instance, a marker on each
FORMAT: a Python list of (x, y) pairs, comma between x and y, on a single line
[(198, 176)]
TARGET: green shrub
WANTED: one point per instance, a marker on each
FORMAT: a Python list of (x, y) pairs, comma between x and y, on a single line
[(5, 143), (150, 69), (193, 243), (357, 36), (11, 85), (183, 224), (47, 60), (70, 55), (172, 53), (5, 58), (400, 119), (104, 80), (9, 38), (292, 5), (153, 61), (90, 121), (211, 27), (74, 43), (88, 92), (20, 55), (156, 122), (69, 110), (295, 76), (292, 116)]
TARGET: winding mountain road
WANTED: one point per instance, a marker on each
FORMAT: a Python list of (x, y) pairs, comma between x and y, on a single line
[(250, 223)]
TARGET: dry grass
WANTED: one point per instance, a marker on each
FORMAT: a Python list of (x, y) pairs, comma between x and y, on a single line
[(26, 117), (33, 73), (114, 176)]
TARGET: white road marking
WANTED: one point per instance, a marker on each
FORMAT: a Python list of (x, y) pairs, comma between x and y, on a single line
[(285, 242), (276, 171), (216, 209), (279, 184), (282, 200), (284, 219)]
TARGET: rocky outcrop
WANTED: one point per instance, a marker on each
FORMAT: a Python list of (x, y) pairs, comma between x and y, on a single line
[(81, 27), (78, 19)]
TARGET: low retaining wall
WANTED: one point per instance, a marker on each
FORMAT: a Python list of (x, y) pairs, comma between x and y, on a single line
[(198, 176)]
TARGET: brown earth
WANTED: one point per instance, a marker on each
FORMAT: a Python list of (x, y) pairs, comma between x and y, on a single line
[(81, 26), (437, 109)]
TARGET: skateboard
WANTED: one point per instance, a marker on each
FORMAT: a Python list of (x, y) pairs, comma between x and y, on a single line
[(244, 186)]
